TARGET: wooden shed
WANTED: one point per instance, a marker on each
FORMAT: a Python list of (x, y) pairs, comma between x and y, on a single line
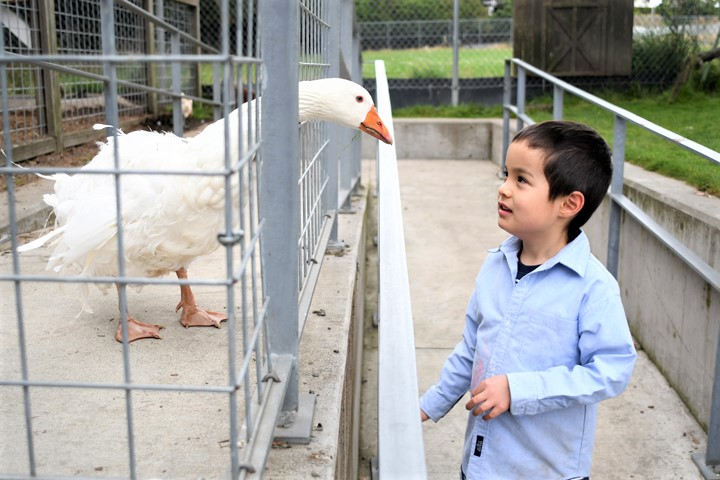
[(575, 37)]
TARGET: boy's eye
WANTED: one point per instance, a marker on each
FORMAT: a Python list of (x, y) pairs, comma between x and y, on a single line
[(505, 173), (521, 179)]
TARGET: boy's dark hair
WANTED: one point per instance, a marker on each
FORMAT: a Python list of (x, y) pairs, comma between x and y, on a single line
[(577, 158)]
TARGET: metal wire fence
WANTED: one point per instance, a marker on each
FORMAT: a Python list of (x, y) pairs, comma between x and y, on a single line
[(419, 52), (143, 409)]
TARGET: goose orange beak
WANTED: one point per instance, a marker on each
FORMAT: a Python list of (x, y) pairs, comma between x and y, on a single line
[(373, 126)]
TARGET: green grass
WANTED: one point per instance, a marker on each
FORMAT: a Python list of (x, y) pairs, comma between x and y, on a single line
[(464, 110), (436, 62), (693, 116)]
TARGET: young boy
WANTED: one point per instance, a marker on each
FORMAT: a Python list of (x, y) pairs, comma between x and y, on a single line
[(546, 336)]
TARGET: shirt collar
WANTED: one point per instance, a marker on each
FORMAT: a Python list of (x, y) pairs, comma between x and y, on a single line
[(575, 255)]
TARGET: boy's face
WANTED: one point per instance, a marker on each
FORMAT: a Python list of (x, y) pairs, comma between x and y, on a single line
[(524, 206)]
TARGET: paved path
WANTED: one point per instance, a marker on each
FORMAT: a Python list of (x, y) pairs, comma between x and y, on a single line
[(450, 222)]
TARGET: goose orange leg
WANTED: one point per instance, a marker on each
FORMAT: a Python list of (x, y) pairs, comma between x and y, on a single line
[(137, 329), (192, 315)]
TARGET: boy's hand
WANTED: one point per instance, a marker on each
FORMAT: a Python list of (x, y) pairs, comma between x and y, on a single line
[(423, 416), (492, 395)]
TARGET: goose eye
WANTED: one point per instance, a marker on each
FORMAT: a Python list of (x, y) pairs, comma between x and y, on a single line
[(359, 99)]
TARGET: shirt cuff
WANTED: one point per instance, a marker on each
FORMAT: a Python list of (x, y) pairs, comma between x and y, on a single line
[(524, 388), (434, 405)]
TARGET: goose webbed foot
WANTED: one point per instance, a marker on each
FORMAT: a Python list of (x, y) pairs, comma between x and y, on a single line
[(194, 316), (138, 330)]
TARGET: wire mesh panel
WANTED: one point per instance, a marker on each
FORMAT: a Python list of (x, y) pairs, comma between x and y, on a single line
[(77, 402), (78, 28), (21, 35), (51, 108), (183, 17), (313, 181)]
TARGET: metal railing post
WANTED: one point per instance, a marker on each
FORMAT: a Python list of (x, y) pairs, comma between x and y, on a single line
[(712, 456), (709, 464), (279, 190), (334, 153), (557, 102), (616, 188), (455, 94), (521, 83), (507, 98)]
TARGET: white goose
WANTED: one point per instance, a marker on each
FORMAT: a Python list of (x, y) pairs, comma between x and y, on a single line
[(169, 220)]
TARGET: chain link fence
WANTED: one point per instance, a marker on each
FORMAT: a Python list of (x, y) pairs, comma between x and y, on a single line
[(418, 52)]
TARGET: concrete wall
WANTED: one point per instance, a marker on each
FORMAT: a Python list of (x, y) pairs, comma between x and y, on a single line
[(673, 313)]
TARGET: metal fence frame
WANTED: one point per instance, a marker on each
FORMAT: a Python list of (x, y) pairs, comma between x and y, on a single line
[(273, 260), (621, 204)]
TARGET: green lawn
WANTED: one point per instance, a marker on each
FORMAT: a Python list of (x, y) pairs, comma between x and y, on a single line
[(436, 62), (692, 116)]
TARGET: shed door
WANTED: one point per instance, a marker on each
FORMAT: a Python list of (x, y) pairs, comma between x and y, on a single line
[(575, 37)]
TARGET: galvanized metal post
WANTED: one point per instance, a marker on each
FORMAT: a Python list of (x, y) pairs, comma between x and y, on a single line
[(616, 188), (521, 82), (712, 456), (335, 132), (455, 92), (107, 14), (176, 71), (507, 98), (709, 464), (279, 173), (22, 343), (557, 102)]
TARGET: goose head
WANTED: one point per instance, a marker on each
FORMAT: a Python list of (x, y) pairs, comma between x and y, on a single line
[(343, 102)]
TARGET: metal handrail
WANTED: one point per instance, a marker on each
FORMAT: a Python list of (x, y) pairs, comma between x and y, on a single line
[(620, 203), (400, 442)]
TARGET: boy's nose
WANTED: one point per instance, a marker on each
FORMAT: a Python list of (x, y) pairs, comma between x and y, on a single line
[(503, 190)]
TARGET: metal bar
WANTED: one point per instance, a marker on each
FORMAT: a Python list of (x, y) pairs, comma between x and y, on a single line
[(712, 452), (253, 464), (400, 442), (308, 288), (118, 170), (22, 343), (521, 90), (278, 186), (107, 14), (126, 58), (455, 88), (178, 120), (507, 98), (690, 258), (120, 386), (103, 78), (557, 103), (629, 116), (161, 23), (616, 188)]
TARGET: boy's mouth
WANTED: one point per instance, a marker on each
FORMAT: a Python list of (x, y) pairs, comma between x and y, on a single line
[(503, 208)]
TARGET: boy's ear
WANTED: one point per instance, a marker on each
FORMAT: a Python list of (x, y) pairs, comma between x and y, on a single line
[(572, 204)]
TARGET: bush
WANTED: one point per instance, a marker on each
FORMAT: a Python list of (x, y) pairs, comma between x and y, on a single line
[(658, 59)]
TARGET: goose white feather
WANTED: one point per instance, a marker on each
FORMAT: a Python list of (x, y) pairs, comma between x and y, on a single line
[(157, 209)]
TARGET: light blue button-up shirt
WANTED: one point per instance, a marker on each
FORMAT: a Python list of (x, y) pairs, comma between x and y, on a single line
[(561, 337)]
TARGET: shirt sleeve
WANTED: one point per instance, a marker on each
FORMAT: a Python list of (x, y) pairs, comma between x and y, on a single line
[(607, 359), (456, 374)]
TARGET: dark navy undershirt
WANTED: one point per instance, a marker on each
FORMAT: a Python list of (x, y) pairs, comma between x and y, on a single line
[(524, 270)]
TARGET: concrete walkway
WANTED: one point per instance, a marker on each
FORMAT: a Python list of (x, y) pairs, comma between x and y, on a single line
[(449, 208), (450, 222)]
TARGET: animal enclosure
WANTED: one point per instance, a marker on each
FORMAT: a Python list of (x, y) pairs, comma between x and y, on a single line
[(199, 402)]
